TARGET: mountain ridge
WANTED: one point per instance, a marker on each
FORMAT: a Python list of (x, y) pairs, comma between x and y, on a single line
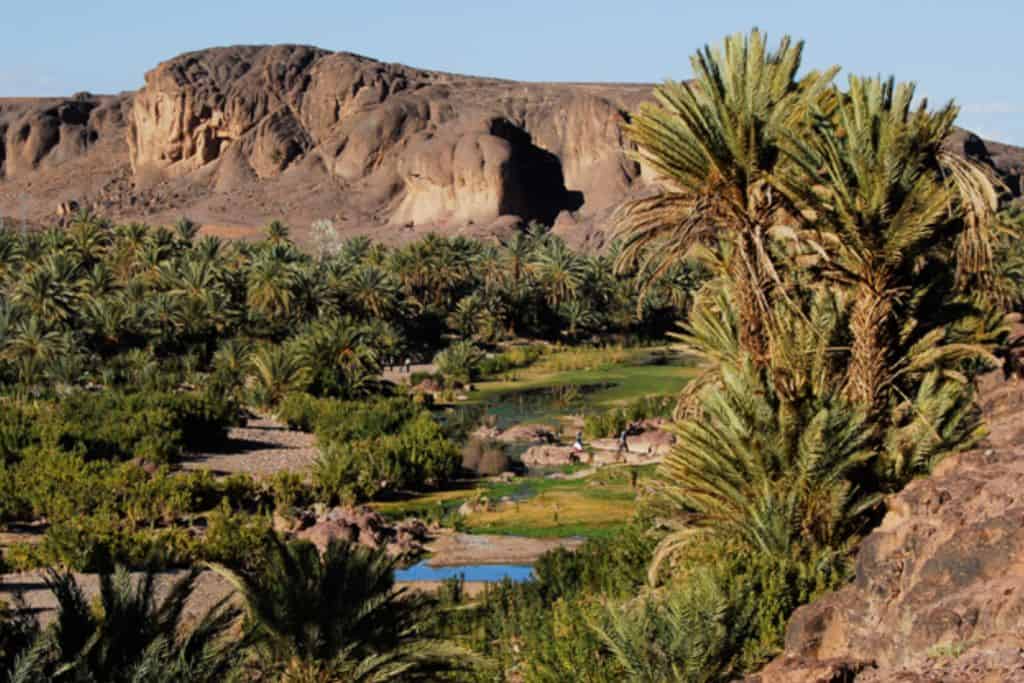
[(236, 136)]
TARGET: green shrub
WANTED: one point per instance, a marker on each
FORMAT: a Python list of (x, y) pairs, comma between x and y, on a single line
[(158, 427), (419, 456), (460, 361)]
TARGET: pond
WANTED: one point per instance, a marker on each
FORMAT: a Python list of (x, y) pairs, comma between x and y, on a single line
[(486, 573), (539, 405)]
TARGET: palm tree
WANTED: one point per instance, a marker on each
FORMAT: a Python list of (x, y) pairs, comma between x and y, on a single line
[(340, 358), (560, 271), (277, 371), (278, 233), (373, 292), (714, 144), (885, 199), (136, 638), (271, 287), (51, 290), (339, 617), (186, 231)]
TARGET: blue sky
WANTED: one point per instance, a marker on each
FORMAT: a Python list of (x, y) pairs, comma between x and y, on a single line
[(973, 51)]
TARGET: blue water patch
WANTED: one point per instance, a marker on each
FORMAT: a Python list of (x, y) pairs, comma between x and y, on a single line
[(488, 573)]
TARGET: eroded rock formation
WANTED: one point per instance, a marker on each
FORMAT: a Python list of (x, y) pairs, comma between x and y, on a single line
[(939, 588), (234, 137)]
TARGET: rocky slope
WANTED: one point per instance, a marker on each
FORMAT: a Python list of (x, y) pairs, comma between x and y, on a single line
[(939, 588), (234, 137)]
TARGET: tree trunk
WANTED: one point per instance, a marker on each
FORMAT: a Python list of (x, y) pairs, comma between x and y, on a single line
[(868, 369)]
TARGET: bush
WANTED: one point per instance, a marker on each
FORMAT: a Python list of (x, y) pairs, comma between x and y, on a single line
[(460, 361), (419, 456), (611, 422), (485, 458), (158, 427)]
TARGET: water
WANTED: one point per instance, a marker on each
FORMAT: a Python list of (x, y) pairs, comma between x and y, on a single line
[(487, 573), (544, 405)]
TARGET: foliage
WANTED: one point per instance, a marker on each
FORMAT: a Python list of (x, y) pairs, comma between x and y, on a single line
[(338, 617), (611, 422), (132, 637), (418, 455), (460, 361)]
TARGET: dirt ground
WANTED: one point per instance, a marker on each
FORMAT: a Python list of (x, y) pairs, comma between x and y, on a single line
[(262, 448)]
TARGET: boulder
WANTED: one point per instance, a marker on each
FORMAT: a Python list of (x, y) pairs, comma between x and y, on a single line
[(939, 588), (551, 456), (528, 433), (363, 526)]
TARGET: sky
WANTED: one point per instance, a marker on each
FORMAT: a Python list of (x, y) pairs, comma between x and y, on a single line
[(970, 51)]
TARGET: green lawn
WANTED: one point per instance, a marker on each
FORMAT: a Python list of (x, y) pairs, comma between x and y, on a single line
[(633, 378), (598, 505)]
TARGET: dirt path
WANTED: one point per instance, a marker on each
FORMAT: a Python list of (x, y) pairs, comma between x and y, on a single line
[(398, 375), (262, 448), (449, 550)]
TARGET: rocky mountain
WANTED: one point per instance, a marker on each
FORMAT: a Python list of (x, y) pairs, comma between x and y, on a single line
[(234, 137)]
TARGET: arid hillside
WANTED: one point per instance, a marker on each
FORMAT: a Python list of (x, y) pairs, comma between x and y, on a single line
[(234, 137)]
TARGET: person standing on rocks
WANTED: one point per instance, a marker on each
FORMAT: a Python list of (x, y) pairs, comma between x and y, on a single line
[(623, 443)]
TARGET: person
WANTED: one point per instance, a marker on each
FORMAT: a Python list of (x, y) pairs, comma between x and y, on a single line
[(408, 365), (577, 445), (623, 443)]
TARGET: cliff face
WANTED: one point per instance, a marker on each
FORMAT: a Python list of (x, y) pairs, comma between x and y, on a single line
[(237, 136), (939, 588)]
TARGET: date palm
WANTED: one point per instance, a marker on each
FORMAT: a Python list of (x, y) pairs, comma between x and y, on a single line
[(339, 617), (135, 637), (373, 292), (51, 290), (340, 358), (277, 371), (714, 145), (271, 287), (559, 271), (886, 201)]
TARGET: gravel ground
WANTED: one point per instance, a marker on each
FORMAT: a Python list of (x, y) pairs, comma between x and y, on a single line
[(262, 448)]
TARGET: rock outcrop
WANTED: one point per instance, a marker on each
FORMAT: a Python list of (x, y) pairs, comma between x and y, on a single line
[(234, 137), (939, 588), (360, 525), (242, 134)]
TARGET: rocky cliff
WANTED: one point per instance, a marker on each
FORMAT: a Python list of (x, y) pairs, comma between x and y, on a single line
[(234, 137), (939, 588)]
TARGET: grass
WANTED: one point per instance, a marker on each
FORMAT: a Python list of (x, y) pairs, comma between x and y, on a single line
[(594, 506), (633, 376)]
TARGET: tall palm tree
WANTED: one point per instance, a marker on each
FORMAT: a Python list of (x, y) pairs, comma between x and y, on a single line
[(278, 233), (886, 200), (271, 287), (339, 617), (714, 145), (559, 270), (340, 357), (373, 292)]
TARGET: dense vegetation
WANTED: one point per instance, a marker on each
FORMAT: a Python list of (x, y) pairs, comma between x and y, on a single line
[(843, 280)]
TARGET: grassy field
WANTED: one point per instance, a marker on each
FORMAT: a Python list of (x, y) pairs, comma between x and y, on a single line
[(540, 508), (630, 371)]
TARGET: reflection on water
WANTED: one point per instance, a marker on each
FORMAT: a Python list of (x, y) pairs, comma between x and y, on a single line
[(489, 573), (542, 405)]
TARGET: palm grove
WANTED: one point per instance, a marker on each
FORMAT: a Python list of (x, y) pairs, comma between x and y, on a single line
[(843, 277)]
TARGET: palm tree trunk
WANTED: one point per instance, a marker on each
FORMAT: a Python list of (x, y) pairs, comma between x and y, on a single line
[(750, 302), (869, 321)]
